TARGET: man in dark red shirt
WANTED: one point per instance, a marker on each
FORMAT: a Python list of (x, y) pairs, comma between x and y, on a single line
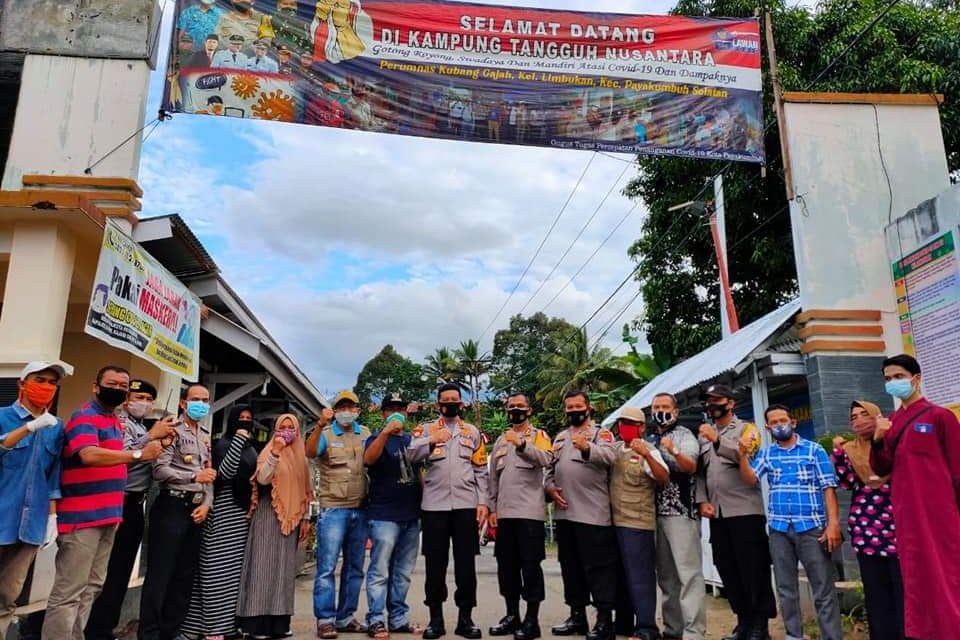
[(92, 486)]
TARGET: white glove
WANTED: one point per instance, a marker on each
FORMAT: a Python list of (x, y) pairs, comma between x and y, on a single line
[(51, 535), (43, 421)]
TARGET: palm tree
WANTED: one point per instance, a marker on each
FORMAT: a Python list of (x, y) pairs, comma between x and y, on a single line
[(579, 367), (441, 366), (474, 365)]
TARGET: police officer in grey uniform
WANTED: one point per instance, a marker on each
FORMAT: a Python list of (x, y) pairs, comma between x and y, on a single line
[(454, 508), (185, 476), (577, 481), (105, 613), (738, 526), (517, 512)]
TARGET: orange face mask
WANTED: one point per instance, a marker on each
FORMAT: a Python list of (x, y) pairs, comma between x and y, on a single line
[(40, 394)]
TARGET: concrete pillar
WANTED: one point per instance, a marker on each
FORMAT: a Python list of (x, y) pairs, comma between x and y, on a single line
[(73, 111), (37, 293)]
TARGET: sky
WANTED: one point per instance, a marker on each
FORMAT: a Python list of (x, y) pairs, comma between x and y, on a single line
[(344, 241)]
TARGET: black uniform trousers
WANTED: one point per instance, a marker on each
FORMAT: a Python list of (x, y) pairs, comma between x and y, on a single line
[(588, 564), (439, 529), (520, 548), (883, 596), (741, 553), (172, 557), (105, 613)]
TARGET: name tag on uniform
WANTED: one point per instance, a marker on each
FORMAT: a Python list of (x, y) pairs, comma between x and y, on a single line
[(336, 445), (922, 427)]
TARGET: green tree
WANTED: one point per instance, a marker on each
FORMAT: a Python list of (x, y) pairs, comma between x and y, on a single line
[(915, 48), (441, 367), (474, 365), (520, 350), (390, 371)]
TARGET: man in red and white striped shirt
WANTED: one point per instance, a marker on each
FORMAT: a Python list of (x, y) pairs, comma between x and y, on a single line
[(92, 486)]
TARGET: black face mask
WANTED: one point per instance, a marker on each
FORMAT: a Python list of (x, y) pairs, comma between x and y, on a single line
[(450, 409), (111, 398), (576, 418), (517, 416), (717, 410), (246, 425), (664, 418)]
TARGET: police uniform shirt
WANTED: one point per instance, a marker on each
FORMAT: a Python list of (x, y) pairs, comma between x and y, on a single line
[(456, 475), (226, 59), (178, 465), (135, 436), (582, 477), (719, 482), (516, 475)]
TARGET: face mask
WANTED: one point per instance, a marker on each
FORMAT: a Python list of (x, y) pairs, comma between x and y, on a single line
[(629, 432), (139, 409), (782, 432), (109, 397), (450, 409), (664, 418), (717, 410), (576, 418), (517, 416), (902, 388), (395, 416), (288, 435), (197, 410), (345, 418), (40, 394), (246, 425)]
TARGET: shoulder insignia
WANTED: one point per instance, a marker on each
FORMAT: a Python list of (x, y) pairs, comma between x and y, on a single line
[(479, 457), (542, 440)]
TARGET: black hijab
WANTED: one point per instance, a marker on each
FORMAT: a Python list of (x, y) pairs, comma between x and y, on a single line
[(240, 485)]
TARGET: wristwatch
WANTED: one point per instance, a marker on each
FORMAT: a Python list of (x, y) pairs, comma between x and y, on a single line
[(137, 454)]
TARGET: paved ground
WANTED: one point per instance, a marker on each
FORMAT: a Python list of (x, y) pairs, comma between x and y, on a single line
[(490, 605)]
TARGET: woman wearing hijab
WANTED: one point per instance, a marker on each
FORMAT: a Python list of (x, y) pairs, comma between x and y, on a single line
[(872, 533), (213, 603), (282, 493)]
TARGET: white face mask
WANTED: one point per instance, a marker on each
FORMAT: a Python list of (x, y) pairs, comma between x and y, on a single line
[(345, 418), (139, 409)]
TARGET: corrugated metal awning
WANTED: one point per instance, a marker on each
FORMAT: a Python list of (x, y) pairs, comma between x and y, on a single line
[(720, 358)]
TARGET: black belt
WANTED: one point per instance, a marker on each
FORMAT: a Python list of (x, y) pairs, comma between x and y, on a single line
[(193, 497)]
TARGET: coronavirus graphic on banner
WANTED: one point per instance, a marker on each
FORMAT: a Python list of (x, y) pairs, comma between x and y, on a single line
[(666, 85)]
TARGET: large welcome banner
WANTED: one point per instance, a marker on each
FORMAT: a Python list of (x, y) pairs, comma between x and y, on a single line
[(663, 85), (140, 307)]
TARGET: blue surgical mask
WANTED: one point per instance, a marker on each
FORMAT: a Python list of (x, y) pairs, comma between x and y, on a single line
[(782, 432), (901, 388), (197, 409)]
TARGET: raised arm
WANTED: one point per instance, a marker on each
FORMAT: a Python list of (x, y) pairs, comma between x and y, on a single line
[(231, 461)]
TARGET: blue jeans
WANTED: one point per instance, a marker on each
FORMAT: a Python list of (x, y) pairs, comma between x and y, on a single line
[(392, 559), (339, 529)]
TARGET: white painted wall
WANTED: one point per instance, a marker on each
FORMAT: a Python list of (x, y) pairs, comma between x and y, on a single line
[(71, 112), (843, 202)]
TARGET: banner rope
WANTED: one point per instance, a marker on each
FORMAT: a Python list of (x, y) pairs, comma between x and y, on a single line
[(161, 116)]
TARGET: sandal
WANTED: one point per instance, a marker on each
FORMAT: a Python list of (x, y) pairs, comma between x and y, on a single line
[(378, 630), (326, 631), (407, 628), (352, 627)]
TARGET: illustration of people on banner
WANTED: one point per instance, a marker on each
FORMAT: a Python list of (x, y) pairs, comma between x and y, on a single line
[(665, 85)]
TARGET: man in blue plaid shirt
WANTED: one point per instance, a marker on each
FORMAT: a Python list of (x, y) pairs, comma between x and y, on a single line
[(804, 519)]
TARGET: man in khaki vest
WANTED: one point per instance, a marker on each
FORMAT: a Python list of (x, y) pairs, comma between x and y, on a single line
[(638, 470), (342, 523)]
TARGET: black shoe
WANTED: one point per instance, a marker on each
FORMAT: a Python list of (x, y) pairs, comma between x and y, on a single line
[(466, 629), (760, 632), (507, 625), (646, 634), (736, 634), (604, 629), (575, 625), (434, 630), (529, 630)]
